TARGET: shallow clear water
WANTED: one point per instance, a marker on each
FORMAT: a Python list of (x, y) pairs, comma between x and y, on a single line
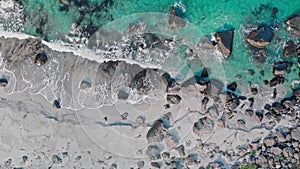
[(53, 19)]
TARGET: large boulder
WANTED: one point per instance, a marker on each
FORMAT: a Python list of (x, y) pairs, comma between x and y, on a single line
[(261, 36), (293, 24), (225, 41)]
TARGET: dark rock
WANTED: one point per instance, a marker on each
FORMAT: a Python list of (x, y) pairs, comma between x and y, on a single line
[(167, 106), (254, 90), (140, 164), (169, 81), (155, 133), (207, 43), (266, 82), (294, 25), (259, 115), (289, 49), (278, 107), (3, 82), (173, 99), (260, 56), (232, 86), (261, 36), (225, 41), (41, 59), (276, 80), (204, 102), (267, 107), (175, 20), (56, 159), (205, 73), (296, 92), (24, 158), (56, 103), (274, 93), (156, 164)]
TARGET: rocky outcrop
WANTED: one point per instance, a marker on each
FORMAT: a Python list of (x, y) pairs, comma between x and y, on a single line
[(261, 36), (224, 41)]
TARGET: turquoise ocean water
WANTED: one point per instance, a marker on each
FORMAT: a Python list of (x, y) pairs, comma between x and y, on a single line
[(52, 19)]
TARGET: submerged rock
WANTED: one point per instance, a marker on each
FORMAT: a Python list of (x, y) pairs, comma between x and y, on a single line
[(41, 59), (294, 25), (3, 82), (261, 36), (207, 43), (175, 20), (289, 49), (224, 42)]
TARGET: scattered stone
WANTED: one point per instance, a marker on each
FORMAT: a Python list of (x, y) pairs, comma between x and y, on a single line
[(153, 152), (276, 81), (274, 93), (213, 112), (41, 59), (259, 116), (207, 43), (266, 82), (204, 103), (269, 141), (56, 159), (192, 160), (289, 49), (65, 154), (167, 106), (249, 112), (56, 103), (261, 36), (296, 133), (224, 41), (293, 24), (275, 150), (173, 99), (241, 123), (181, 150), (156, 164), (85, 84), (24, 158), (124, 116), (140, 119), (204, 126), (3, 82), (123, 94), (288, 152), (254, 90)]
